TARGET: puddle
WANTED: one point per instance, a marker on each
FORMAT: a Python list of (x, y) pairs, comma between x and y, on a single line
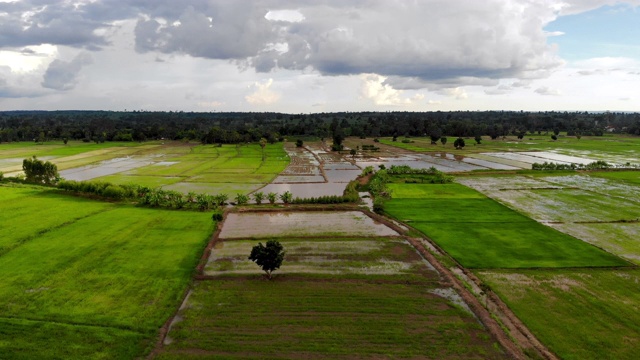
[(330, 223)]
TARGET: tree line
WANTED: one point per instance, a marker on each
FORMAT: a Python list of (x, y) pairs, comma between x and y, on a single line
[(236, 127)]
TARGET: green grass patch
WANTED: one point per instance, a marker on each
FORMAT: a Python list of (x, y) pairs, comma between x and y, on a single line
[(25, 340), (514, 245), (433, 191), (27, 212), (578, 314), (119, 268)]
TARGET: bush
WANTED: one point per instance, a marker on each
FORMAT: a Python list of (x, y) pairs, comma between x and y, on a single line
[(242, 199), (258, 197), (39, 172), (217, 215), (287, 197), (378, 205), (114, 192), (1, 176)]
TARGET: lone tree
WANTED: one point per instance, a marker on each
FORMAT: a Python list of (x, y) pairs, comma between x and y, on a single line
[(459, 143), (39, 172), (269, 257), (263, 143)]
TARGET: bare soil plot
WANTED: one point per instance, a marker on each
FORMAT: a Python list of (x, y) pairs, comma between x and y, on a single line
[(280, 224)]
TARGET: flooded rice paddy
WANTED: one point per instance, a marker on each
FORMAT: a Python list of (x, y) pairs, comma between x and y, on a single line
[(319, 256), (448, 162), (326, 223), (602, 212), (107, 167), (314, 172)]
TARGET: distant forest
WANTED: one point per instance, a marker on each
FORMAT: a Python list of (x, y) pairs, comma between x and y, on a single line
[(235, 127)]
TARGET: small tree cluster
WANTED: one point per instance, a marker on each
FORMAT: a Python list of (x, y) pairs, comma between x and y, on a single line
[(596, 165), (39, 172), (459, 143), (350, 195)]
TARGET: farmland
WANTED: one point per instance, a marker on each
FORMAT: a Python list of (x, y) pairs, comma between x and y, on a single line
[(95, 279), (184, 167), (480, 233), (578, 314), (341, 296), (546, 271), (90, 279)]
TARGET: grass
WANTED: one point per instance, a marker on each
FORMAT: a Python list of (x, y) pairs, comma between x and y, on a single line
[(480, 233), (114, 272), (578, 314), (27, 212)]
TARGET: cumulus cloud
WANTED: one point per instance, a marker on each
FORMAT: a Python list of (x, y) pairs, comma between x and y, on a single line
[(263, 94), (374, 88), (63, 75)]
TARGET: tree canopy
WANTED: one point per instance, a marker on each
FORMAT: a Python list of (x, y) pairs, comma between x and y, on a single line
[(268, 257), (39, 172)]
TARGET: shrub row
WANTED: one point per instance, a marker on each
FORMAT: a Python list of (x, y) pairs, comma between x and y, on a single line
[(350, 195), (596, 165)]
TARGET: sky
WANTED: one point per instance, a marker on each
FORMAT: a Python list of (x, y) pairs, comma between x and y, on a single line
[(311, 56)]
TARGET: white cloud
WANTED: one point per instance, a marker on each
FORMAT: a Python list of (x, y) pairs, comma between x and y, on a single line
[(263, 94), (458, 93), (374, 88)]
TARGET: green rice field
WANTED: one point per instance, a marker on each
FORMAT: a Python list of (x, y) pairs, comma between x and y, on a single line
[(86, 279), (481, 233)]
